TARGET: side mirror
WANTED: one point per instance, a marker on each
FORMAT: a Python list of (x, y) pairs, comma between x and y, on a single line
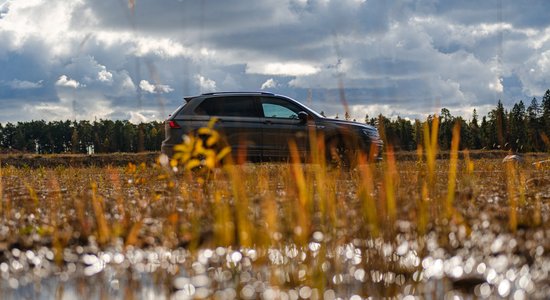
[(303, 116)]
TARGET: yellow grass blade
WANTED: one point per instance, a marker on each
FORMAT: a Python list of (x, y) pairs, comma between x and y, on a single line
[(451, 184), (390, 177), (366, 190), (303, 195), (103, 231), (511, 181), (132, 238)]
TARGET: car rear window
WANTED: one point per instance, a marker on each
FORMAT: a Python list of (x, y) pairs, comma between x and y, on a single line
[(227, 107)]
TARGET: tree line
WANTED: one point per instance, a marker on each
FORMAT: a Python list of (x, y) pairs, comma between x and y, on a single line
[(104, 136), (521, 129)]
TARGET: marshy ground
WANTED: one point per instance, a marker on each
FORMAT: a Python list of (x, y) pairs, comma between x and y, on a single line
[(399, 228)]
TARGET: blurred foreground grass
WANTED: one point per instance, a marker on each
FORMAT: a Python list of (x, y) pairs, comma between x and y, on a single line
[(376, 230)]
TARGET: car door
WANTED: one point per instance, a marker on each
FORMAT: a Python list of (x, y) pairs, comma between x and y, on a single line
[(238, 120), (282, 125)]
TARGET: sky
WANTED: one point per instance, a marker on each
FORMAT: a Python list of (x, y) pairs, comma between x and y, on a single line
[(136, 59)]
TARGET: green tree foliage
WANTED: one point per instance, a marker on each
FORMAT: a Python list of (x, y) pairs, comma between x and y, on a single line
[(534, 126), (475, 139), (104, 136)]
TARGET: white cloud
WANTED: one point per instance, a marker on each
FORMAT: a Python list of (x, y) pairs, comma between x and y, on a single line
[(397, 55), (105, 76), (282, 69), (150, 88), (145, 86), (65, 81), (162, 47), (496, 85), (137, 117), (205, 84), (269, 84), (24, 84)]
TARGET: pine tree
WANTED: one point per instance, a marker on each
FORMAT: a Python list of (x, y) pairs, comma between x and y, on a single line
[(517, 129), (347, 116), (546, 113), (498, 120), (475, 132), (534, 126)]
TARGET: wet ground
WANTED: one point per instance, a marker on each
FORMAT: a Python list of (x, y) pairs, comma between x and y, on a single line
[(155, 235)]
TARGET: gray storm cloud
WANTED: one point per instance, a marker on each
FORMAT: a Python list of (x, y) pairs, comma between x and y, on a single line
[(393, 57)]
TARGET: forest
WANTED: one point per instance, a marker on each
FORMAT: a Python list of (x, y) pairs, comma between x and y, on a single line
[(103, 136), (521, 129)]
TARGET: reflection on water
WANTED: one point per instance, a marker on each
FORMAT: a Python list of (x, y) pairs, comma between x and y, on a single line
[(482, 265)]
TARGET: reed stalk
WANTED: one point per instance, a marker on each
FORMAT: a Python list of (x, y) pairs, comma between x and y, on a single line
[(103, 231), (451, 184)]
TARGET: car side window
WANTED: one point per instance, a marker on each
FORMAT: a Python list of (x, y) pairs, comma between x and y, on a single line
[(227, 107), (278, 108)]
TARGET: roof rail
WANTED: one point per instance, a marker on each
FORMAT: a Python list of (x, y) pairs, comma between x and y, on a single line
[(222, 93)]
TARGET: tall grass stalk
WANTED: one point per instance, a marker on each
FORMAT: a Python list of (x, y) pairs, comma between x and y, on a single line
[(430, 145), (33, 195), (451, 184), (322, 186), (390, 182), (124, 221), (423, 215), (58, 238), (103, 231), (303, 212), (269, 209), (244, 230), (365, 193), (511, 185)]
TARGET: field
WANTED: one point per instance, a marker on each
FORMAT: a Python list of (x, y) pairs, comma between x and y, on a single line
[(411, 226)]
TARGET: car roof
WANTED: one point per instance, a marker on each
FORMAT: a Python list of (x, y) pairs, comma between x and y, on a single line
[(237, 93), (189, 98)]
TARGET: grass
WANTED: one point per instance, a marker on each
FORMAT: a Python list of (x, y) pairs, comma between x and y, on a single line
[(313, 228)]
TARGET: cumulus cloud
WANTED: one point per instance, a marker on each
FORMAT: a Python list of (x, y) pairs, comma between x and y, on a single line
[(205, 84), (65, 81), (395, 57), (145, 86), (283, 69), (269, 84), (137, 118), (150, 88), (105, 76)]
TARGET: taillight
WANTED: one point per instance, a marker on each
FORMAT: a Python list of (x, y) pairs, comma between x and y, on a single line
[(173, 125)]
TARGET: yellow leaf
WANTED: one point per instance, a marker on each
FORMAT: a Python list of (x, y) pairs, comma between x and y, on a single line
[(223, 153), (212, 122), (210, 162), (173, 163), (204, 131), (181, 148), (192, 164), (213, 139)]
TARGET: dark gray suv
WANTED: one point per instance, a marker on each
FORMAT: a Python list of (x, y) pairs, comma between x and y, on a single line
[(262, 124)]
